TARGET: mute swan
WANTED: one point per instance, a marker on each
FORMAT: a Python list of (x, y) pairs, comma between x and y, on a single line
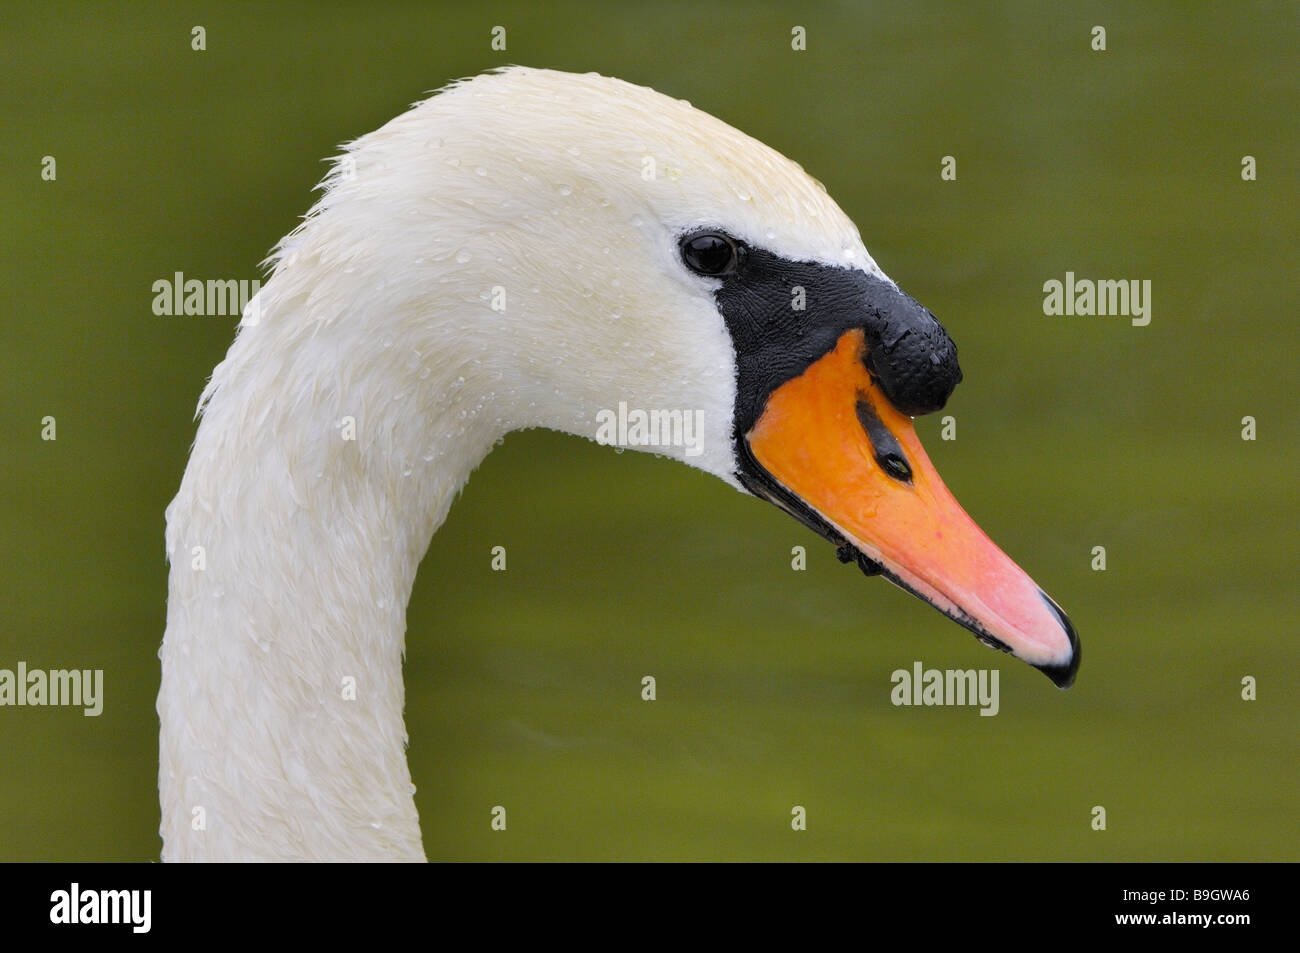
[(645, 253)]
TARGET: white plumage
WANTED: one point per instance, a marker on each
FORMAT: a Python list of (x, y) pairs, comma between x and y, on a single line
[(530, 181)]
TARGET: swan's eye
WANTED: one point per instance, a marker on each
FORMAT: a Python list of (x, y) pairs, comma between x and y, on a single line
[(711, 253)]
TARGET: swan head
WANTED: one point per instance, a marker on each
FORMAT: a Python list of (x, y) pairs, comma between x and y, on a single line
[(568, 249)]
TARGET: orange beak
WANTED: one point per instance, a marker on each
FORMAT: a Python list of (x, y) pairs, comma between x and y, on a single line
[(832, 440)]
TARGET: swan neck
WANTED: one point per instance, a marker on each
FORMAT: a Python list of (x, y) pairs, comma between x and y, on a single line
[(319, 473)]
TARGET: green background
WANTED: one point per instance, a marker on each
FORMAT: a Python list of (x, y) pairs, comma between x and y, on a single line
[(523, 687)]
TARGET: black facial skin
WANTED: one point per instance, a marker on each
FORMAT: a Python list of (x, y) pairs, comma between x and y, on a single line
[(908, 351)]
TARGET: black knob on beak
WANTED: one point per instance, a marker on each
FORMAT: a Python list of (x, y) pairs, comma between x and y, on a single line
[(908, 351)]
